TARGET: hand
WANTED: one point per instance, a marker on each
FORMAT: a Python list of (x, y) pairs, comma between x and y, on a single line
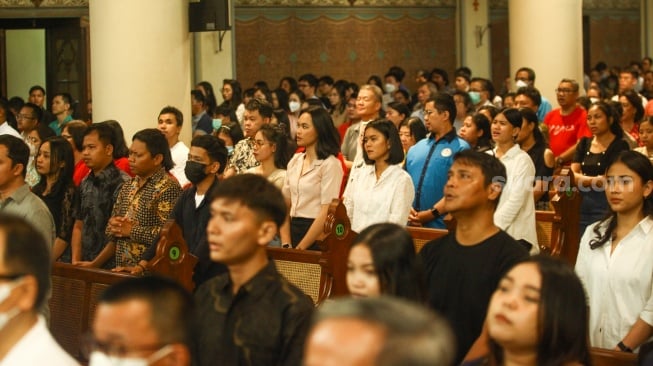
[(120, 226), (88, 264), (135, 270), (413, 218)]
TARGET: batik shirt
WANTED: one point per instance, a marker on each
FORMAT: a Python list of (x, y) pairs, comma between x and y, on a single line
[(243, 157)]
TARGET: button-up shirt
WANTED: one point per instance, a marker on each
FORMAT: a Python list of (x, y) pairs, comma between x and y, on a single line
[(243, 157), (29, 206)]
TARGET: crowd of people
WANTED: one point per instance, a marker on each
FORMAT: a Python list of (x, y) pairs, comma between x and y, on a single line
[(262, 169)]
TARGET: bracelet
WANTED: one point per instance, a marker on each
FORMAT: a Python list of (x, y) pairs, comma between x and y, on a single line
[(624, 348), (436, 214), (141, 267)]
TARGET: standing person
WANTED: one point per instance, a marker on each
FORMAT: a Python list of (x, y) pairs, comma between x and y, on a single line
[(368, 106), (313, 178), (54, 162), (515, 213), (531, 140), (476, 131), (646, 137), (250, 315), (349, 135), (397, 112), (169, 123), (120, 150), (338, 103), (525, 77), (463, 268), (631, 116), (144, 203), (295, 101), (411, 131), (232, 94), (209, 96), (25, 283), (593, 155), (5, 126), (73, 131), (538, 316), (429, 160), (37, 97), (273, 150), (62, 110), (15, 195), (28, 118), (202, 122), (614, 258), (381, 191), (96, 197), (33, 140)]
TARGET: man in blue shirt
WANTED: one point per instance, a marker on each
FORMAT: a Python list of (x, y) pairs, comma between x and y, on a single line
[(429, 160)]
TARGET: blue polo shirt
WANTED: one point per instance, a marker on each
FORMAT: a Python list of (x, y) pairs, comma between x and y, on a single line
[(428, 164), (54, 125)]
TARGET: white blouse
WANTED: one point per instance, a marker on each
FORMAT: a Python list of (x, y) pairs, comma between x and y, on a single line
[(370, 201), (618, 285)]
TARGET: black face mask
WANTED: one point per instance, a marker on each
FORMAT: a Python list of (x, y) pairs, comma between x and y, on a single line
[(195, 171)]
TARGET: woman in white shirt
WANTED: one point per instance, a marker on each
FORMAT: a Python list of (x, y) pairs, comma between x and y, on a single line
[(381, 191), (615, 258), (515, 213)]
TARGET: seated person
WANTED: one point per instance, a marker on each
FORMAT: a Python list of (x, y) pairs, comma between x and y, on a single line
[(250, 315), (25, 266), (463, 268), (382, 260), (142, 321), (378, 331)]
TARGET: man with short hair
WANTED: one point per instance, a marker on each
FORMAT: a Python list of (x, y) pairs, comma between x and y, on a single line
[(144, 203), (258, 112), (25, 266), (250, 315), (383, 331), (567, 124), (61, 109), (368, 107), (308, 83), (15, 195), (206, 160), (144, 320), (169, 123), (37, 97), (628, 81), (528, 97), (440, 78), (28, 118), (5, 127), (96, 196), (526, 77), (428, 161), (462, 269), (463, 79), (424, 93), (481, 92), (202, 123)]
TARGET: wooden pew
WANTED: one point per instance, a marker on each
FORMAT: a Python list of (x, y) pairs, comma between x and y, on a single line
[(606, 357), (75, 289), (566, 202), (320, 274), (422, 235)]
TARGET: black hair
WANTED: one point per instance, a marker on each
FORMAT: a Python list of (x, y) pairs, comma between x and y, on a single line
[(416, 126), (444, 103), (104, 131), (639, 164), (60, 152), (398, 72), (325, 79), (376, 81), (282, 99), (562, 316), (310, 79), (17, 151), (529, 71), (256, 193), (389, 130), (492, 168), (490, 108), (26, 252), (482, 123), (76, 131), (179, 117), (16, 103), (532, 94), (66, 97), (156, 144), (236, 92), (170, 305), (36, 87), (198, 96), (636, 101), (463, 72), (285, 148), (261, 84), (531, 117), (401, 108), (513, 116), (44, 131), (397, 266), (249, 93), (233, 130), (441, 72), (328, 138), (266, 93), (612, 111), (120, 149), (263, 107), (467, 101), (209, 97), (291, 81), (341, 89), (37, 112), (214, 147)]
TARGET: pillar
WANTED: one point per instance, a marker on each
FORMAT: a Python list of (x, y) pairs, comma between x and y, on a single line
[(474, 36), (646, 21), (140, 62), (547, 36)]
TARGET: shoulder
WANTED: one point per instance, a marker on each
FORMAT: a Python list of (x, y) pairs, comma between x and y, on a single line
[(434, 247), (210, 288)]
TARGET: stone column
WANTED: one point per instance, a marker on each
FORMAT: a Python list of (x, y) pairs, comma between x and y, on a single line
[(547, 36), (140, 62), (474, 37), (646, 21)]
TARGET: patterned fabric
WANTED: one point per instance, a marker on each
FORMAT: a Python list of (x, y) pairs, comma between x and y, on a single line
[(60, 202), (148, 206), (32, 177), (243, 157), (97, 194)]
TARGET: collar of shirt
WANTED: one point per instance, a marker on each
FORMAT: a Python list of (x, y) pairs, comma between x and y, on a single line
[(256, 284), (448, 137), (19, 194), (158, 175)]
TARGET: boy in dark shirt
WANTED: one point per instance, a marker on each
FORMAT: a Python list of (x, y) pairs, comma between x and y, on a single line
[(250, 315), (463, 268)]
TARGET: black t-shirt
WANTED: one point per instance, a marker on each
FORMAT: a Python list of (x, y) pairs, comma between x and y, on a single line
[(461, 279)]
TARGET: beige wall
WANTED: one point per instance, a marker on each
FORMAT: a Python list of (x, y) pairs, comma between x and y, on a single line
[(25, 61)]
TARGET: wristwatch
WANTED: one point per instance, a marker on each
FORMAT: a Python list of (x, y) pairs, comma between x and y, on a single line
[(436, 214)]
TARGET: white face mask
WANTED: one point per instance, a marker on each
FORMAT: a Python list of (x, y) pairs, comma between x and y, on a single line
[(520, 84), (294, 106), (594, 100), (101, 359), (389, 88), (5, 291)]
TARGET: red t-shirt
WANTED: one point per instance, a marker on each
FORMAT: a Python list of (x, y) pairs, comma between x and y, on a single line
[(565, 131), (80, 172)]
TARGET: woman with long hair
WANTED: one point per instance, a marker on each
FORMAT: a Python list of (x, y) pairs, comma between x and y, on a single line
[(296, 99), (338, 101), (313, 177), (207, 90), (476, 131), (382, 261), (537, 316), (593, 156), (380, 191), (614, 258), (55, 165), (632, 113), (232, 94), (273, 150), (531, 140), (120, 150), (411, 131), (34, 139)]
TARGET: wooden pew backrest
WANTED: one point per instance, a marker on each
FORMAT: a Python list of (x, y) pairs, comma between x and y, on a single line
[(549, 232), (75, 291), (304, 269), (173, 259), (606, 357), (422, 235)]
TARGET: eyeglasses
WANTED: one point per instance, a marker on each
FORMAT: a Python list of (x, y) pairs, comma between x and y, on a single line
[(565, 91), (428, 112), (260, 143), (24, 116), (90, 344), (302, 85)]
